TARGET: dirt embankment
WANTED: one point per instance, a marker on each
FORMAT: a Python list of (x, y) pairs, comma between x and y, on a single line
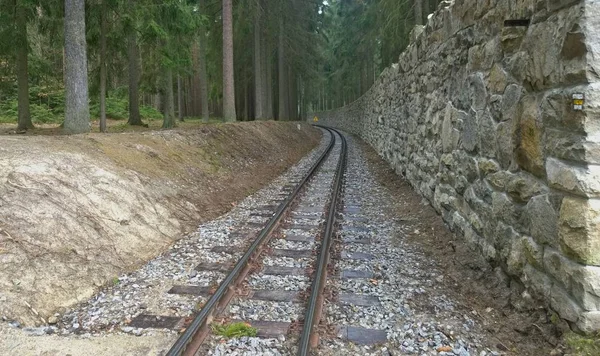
[(75, 211)]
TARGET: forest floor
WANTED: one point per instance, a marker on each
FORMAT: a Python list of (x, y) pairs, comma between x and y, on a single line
[(113, 126), (77, 211)]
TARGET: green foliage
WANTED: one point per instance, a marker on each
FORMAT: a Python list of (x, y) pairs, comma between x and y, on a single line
[(583, 345), (234, 330), (48, 106)]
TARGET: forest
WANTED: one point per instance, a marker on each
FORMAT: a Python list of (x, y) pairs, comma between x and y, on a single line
[(80, 64)]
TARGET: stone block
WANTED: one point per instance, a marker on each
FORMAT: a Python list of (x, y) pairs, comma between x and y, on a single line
[(523, 186), (487, 166), (554, 5), (470, 132), (571, 146), (503, 208), (486, 134), (564, 304), (499, 180), (578, 180), (542, 219), (511, 38), (589, 322), (450, 135), (497, 80), (504, 143), (534, 253), (510, 100), (537, 281), (528, 133), (579, 229)]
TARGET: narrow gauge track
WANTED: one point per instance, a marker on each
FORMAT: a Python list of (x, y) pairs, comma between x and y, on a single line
[(191, 339)]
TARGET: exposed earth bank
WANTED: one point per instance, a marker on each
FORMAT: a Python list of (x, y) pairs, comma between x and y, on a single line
[(76, 211)]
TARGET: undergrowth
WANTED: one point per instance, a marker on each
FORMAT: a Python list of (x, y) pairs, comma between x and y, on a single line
[(583, 345)]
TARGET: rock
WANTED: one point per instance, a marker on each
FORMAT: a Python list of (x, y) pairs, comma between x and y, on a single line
[(523, 186), (52, 320), (542, 219), (579, 229), (574, 179)]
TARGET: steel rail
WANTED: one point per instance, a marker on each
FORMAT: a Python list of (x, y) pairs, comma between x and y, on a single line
[(312, 317), (204, 318)]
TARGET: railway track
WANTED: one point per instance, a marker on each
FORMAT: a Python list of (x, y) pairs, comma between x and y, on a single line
[(270, 266), (317, 209)]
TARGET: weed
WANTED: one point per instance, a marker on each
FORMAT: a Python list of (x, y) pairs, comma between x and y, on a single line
[(234, 330)]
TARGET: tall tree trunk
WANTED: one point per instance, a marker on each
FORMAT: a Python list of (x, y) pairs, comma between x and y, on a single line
[(168, 105), (24, 121), (228, 80), (202, 70), (196, 78), (426, 10), (292, 95), (418, 8), (283, 76), (179, 99), (134, 71), (269, 80), (259, 93), (77, 111), (103, 67)]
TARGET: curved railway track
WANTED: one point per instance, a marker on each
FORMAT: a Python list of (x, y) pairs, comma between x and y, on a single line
[(197, 331)]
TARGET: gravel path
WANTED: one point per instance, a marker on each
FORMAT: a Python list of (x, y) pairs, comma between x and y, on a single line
[(398, 282)]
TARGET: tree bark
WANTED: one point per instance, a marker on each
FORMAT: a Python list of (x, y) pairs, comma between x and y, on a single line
[(168, 105), (103, 67), (202, 70), (134, 71), (283, 83), (418, 8), (179, 99), (259, 93), (196, 79), (229, 113), (24, 121), (269, 80), (426, 10), (77, 111)]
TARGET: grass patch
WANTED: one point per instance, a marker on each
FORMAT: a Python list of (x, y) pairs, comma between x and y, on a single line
[(583, 345), (234, 330)]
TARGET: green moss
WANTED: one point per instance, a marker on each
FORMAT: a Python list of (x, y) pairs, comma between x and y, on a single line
[(234, 330), (583, 345)]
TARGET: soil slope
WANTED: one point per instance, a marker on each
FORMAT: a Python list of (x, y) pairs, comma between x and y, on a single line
[(76, 211)]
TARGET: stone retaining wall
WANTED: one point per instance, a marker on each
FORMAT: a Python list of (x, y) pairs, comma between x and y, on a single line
[(479, 117)]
